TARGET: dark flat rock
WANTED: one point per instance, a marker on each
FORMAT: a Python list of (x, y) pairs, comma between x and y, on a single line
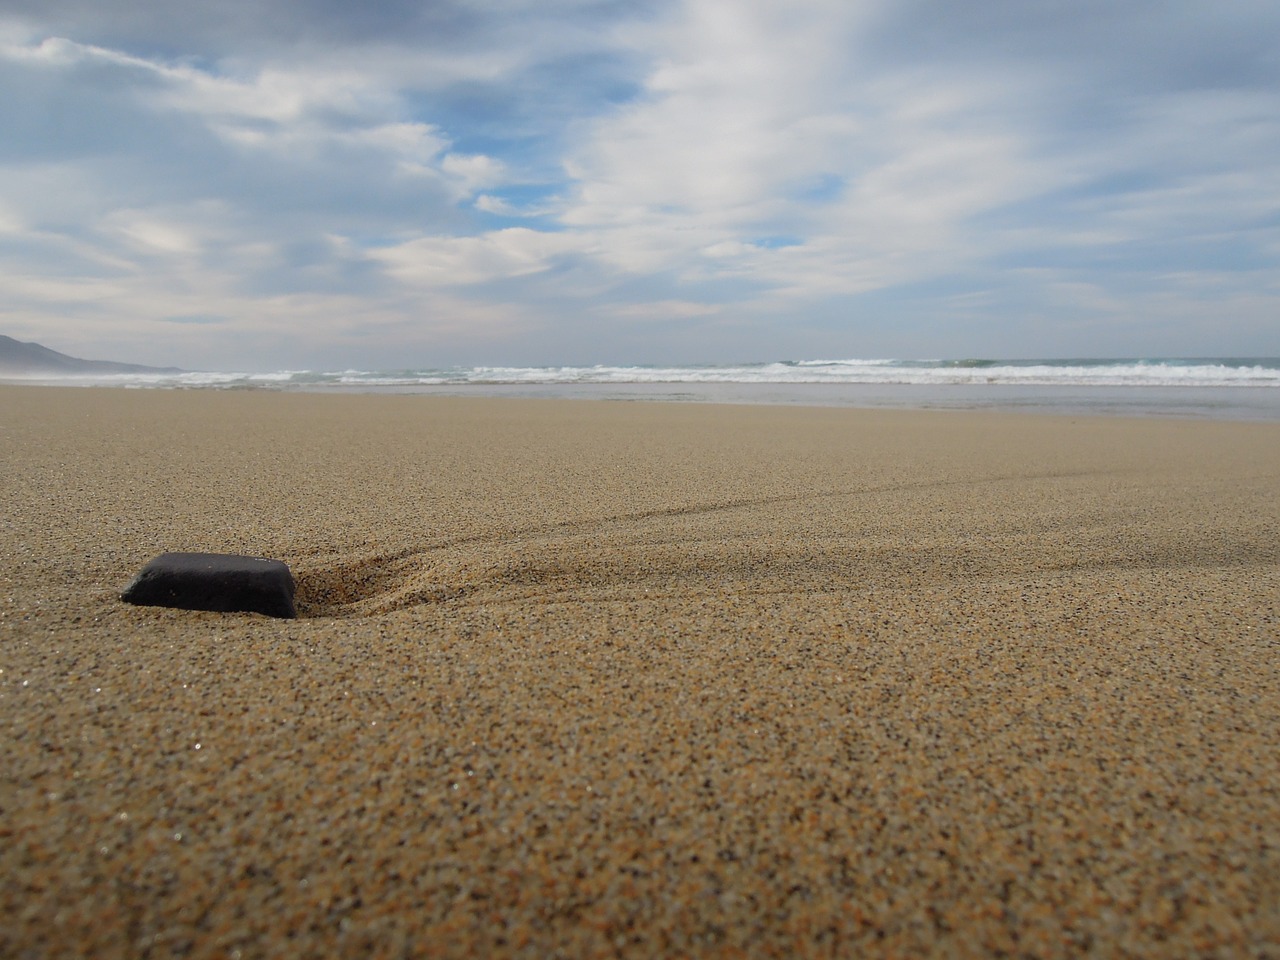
[(223, 582)]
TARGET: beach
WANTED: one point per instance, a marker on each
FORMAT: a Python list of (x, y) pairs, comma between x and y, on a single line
[(580, 678)]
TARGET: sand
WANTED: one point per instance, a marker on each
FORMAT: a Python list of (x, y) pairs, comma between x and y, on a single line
[(586, 679)]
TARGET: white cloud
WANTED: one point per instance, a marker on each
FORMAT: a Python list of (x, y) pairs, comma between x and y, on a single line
[(704, 160), (278, 95), (10, 221), (664, 310), (296, 113), (495, 205), (153, 234), (746, 111), (21, 288), (474, 172), (461, 261)]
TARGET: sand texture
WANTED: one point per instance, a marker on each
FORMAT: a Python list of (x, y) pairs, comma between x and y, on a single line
[(580, 679)]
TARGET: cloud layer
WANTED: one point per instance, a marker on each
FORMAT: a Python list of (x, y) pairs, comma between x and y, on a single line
[(253, 185)]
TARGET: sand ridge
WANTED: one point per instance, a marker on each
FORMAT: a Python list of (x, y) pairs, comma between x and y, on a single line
[(595, 679)]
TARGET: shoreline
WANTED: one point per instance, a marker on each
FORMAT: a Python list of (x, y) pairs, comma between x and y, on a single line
[(599, 678), (1202, 402)]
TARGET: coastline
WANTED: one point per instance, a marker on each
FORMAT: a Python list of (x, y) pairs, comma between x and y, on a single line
[(1240, 403), (1196, 403), (1216, 388), (582, 678)]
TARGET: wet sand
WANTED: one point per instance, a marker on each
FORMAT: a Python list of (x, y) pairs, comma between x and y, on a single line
[(589, 679)]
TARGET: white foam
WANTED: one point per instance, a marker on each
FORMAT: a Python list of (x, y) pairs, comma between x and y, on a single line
[(1101, 373)]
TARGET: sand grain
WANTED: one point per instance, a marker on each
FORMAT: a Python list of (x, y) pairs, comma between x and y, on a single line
[(594, 679)]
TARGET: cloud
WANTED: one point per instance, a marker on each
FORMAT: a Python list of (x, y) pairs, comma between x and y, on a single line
[(468, 261), (755, 122), (546, 179), (10, 222), (496, 205), (664, 310), (219, 30), (151, 234), (202, 319)]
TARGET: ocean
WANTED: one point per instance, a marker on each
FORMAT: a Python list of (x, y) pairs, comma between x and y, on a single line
[(1210, 387)]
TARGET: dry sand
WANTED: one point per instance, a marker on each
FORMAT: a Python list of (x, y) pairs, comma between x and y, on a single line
[(589, 679)]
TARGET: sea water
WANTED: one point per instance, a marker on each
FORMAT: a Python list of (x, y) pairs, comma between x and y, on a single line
[(1213, 387)]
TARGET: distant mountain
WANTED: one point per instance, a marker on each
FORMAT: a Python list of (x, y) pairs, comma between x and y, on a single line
[(18, 359)]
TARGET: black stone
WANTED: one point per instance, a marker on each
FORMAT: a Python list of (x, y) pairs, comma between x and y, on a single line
[(214, 581)]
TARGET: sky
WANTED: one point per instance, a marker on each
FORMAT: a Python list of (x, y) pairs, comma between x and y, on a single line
[(320, 184)]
